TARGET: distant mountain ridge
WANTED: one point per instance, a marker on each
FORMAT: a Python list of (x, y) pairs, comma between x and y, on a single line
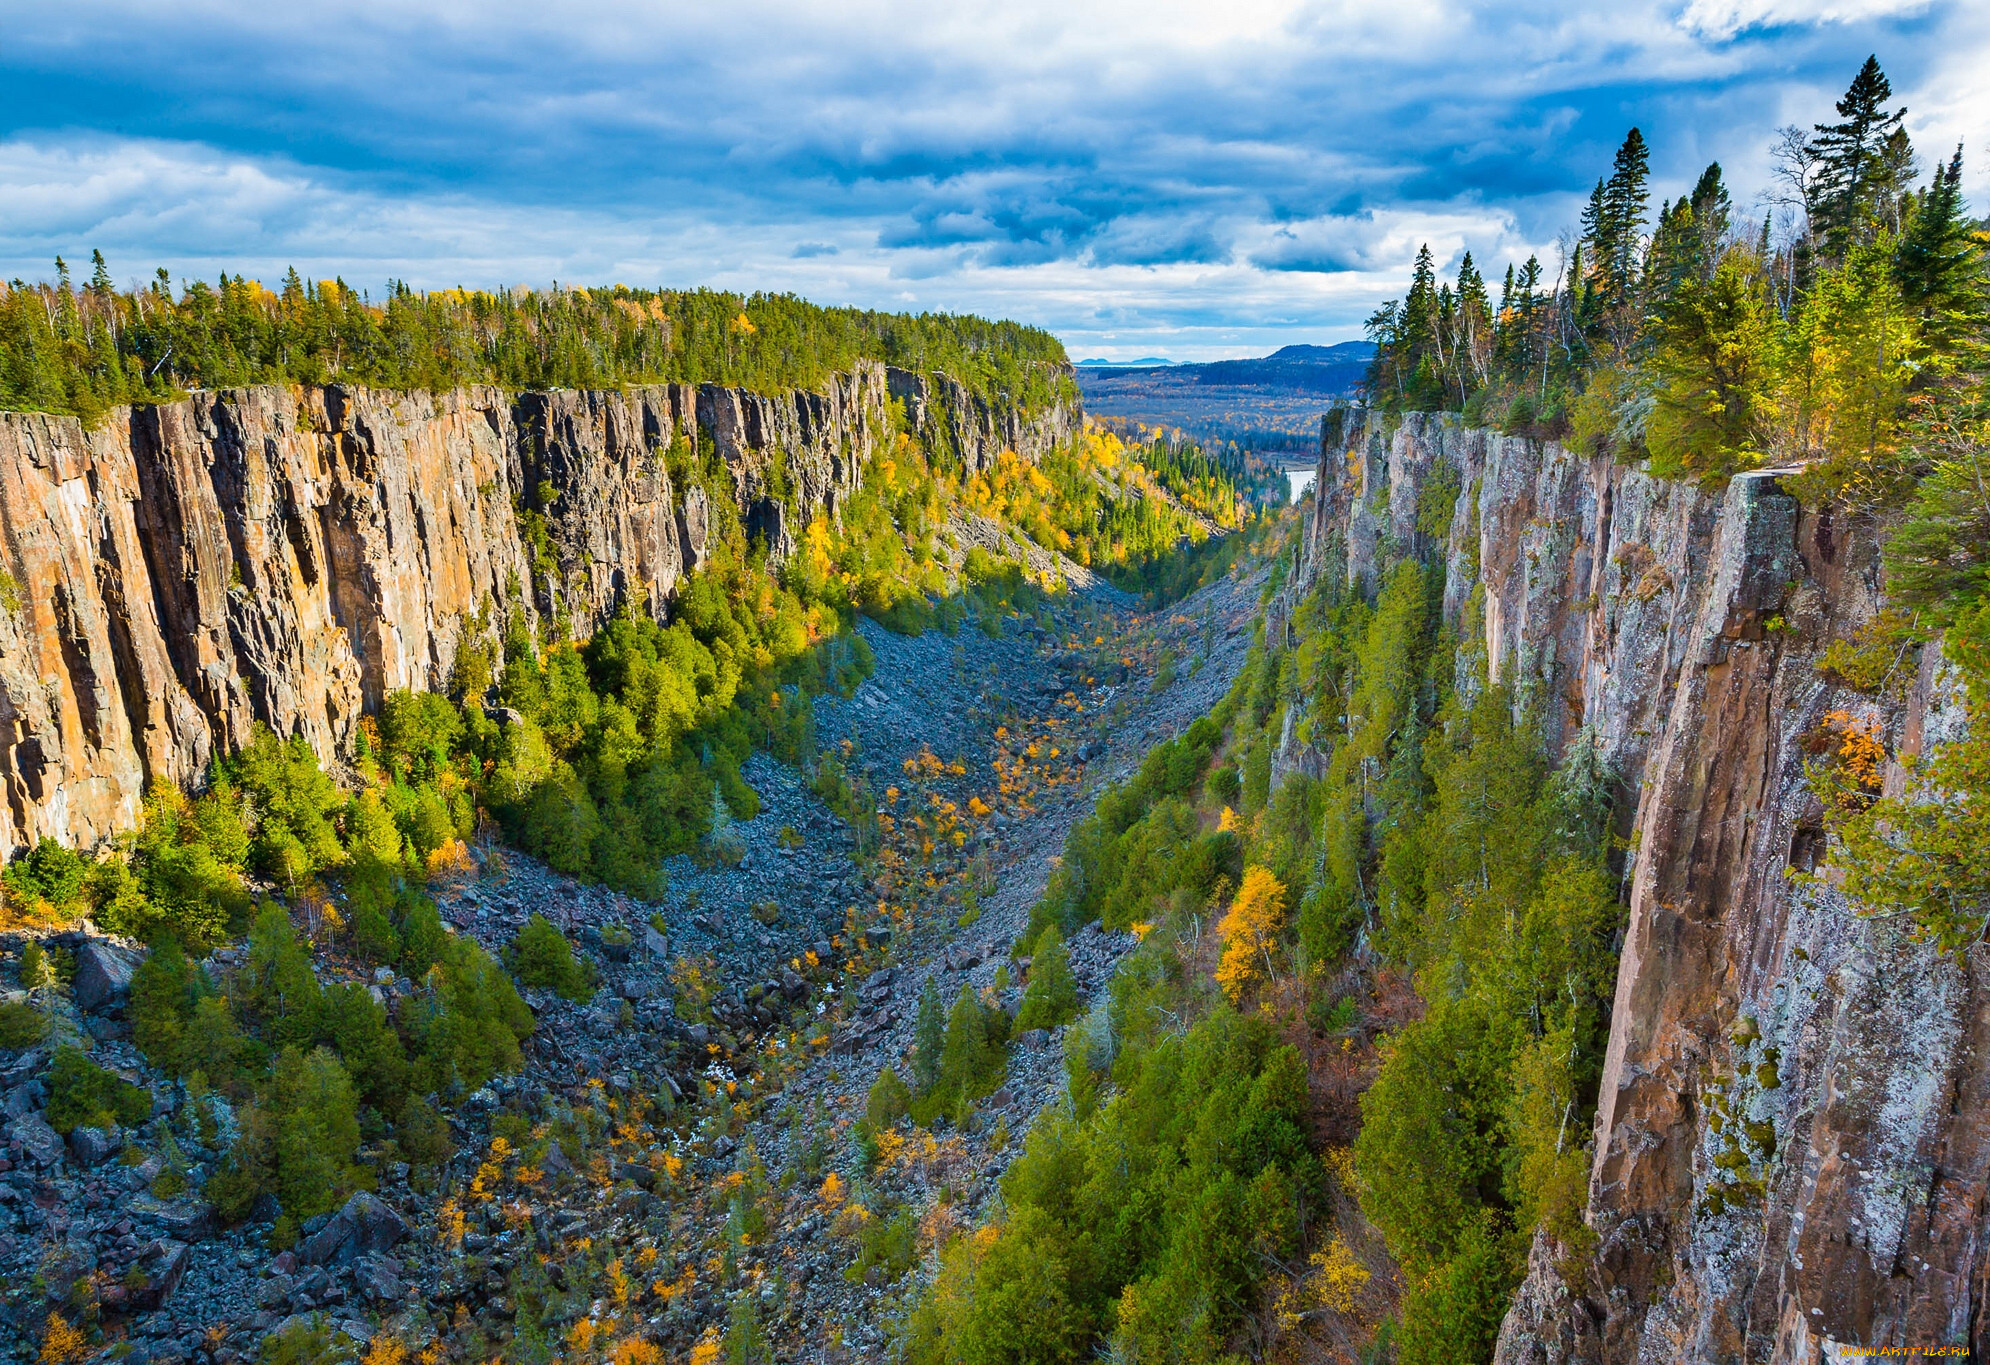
[(1268, 402), (1337, 369)]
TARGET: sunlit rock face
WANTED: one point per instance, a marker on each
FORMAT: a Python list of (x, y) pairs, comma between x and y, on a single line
[(290, 555), (1840, 1196)]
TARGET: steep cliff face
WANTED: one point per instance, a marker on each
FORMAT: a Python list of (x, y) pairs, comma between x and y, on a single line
[(951, 419), (290, 556), (1839, 1199)]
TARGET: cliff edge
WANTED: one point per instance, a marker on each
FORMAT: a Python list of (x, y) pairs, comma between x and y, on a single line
[(1791, 1142)]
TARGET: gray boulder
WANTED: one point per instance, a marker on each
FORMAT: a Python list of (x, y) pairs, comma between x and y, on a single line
[(164, 1264), (103, 974), (41, 1142), (378, 1278), (366, 1224), (94, 1146)]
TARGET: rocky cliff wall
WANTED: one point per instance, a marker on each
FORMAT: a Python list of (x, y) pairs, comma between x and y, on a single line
[(1678, 631), (291, 555), (951, 420)]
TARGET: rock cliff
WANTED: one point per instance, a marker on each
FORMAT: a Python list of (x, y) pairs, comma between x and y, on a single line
[(291, 555), (1842, 1203)]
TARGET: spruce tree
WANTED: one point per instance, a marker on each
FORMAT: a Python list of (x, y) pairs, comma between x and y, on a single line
[(1625, 200), (929, 1033), (1937, 261), (1860, 160), (964, 1054), (1052, 996)]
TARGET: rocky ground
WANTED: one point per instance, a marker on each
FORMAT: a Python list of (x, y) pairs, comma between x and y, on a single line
[(666, 1154)]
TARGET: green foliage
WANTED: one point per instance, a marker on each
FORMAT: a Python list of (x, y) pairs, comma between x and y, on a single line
[(82, 351), (466, 1023), (1142, 849), (928, 1036), (1854, 348), (1142, 1226), (541, 956), (296, 801), (47, 878), (1051, 998), (1709, 373), (889, 1246), (306, 1341), (298, 1142), (1453, 1313), (21, 1024), (889, 1101), (82, 1094)]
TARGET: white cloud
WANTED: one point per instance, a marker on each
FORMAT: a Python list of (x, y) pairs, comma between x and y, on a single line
[(1723, 19), (1167, 169)]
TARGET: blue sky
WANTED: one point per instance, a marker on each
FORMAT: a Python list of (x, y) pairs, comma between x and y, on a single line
[(1142, 178)]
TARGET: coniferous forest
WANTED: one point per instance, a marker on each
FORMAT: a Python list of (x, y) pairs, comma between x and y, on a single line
[(81, 349)]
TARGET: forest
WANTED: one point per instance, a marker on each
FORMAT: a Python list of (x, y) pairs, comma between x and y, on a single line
[(82, 349)]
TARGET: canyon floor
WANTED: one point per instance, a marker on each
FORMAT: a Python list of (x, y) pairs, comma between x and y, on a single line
[(605, 1184)]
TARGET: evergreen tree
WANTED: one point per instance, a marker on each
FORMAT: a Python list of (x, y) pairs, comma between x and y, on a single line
[(928, 1037), (1052, 996), (964, 1054), (1937, 261), (1713, 210), (1621, 210), (1861, 160), (1472, 349)]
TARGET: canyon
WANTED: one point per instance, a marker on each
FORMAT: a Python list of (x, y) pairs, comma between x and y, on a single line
[(1790, 1154), (1790, 1149)]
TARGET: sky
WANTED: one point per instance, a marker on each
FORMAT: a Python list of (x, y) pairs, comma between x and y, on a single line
[(1142, 177)]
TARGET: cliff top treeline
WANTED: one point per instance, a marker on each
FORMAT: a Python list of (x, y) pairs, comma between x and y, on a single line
[(83, 349)]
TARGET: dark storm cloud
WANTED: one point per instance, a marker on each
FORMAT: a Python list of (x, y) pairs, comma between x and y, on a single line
[(1137, 176)]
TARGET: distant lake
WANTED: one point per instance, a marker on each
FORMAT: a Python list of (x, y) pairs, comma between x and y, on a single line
[(1301, 480)]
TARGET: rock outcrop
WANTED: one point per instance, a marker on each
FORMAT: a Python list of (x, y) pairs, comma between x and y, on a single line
[(289, 556), (1678, 631), (951, 420)]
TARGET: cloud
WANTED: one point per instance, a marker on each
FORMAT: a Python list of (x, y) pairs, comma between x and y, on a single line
[(1723, 19), (1150, 169)]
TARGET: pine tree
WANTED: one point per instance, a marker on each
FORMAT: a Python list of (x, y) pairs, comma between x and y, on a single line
[(1937, 262), (1860, 160), (1052, 996), (1624, 201), (964, 1054), (928, 1036)]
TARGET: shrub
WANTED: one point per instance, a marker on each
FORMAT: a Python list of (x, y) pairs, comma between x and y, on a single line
[(541, 956), (21, 1025), (82, 1094), (47, 879), (889, 1246), (890, 1100)]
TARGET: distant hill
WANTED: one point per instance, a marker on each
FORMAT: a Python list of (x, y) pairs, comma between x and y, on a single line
[(1270, 403), (1335, 370), (1144, 363)]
